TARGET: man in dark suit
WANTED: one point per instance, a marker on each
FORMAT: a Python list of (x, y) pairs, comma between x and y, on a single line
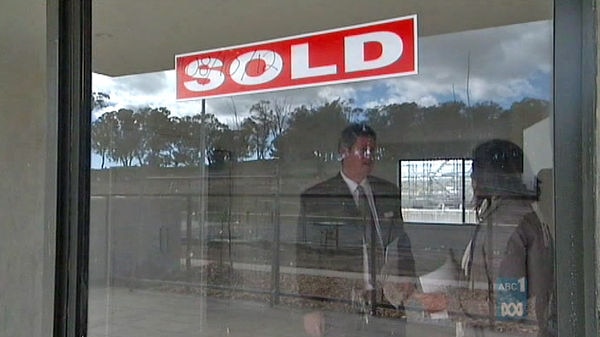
[(351, 223)]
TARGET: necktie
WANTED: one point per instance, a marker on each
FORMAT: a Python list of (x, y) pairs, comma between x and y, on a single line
[(363, 204), (370, 237)]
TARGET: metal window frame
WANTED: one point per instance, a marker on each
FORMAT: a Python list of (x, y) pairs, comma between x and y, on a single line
[(574, 151), (73, 90), (574, 157)]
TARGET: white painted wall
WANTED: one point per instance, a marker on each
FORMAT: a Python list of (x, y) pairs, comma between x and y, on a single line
[(537, 150), (26, 173)]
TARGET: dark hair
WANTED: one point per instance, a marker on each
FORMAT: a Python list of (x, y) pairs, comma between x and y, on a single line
[(498, 156), (352, 132), (497, 169)]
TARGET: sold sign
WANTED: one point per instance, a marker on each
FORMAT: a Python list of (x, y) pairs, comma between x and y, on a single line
[(375, 50)]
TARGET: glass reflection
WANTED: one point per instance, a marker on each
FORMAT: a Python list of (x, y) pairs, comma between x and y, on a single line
[(204, 222)]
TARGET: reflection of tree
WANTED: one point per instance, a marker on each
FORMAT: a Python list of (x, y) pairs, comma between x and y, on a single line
[(483, 117), (394, 124), (157, 135), (529, 111), (268, 120), (128, 141), (523, 114), (187, 139), (102, 128), (103, 133), (152, 137), (185, 149), (313, 132), (447, 117), (214, 130), (100, 100), (258, 126), (235, 143), (280, 118)]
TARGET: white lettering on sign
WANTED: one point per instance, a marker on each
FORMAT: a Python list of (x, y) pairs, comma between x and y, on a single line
[(268, 65), (375, 50), (391, 50), (513, 286), (301, 64), (205, 74)]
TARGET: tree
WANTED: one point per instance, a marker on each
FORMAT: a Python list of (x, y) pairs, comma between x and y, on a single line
[(482, 119), (268, 120), (527, 112), (151, 136), (250, 128), (196, 138), (214, 131), (446, 118), (103, 134), (102, 130), (186, 147), (157, 133), (100, 100), (128, 137), (313, 133), (260, 123), (280, 117), (522, 115), (393, 118), (117, 135), (235, 143)]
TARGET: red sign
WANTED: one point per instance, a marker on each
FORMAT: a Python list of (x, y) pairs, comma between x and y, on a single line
[(375, 50)]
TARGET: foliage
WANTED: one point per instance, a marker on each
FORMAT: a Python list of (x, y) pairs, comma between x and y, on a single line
[(273, 129), (100, 100), (313, 132), (103, 132)]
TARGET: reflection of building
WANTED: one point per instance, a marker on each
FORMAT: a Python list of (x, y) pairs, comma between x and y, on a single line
[(436, 190), (432, 183), (537, 149)]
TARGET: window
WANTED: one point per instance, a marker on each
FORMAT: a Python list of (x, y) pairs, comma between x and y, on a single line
[(199, 219), (437, 191)]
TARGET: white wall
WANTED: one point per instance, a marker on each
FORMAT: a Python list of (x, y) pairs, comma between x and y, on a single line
[(537, 149), (26, 179)]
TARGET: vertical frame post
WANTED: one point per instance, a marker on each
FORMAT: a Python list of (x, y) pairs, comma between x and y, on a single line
[(574, 181), (73, 168)]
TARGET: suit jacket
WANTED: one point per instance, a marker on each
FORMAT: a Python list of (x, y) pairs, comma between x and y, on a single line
[(331, 231)]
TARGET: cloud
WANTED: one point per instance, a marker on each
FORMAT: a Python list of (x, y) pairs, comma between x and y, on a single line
[(500, 64), (144, 84)]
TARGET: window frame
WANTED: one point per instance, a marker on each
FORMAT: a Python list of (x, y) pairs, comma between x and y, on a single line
[(574, 182), (72, 20), (575, 63)]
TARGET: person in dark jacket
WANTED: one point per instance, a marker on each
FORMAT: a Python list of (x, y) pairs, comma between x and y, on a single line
[(352, 223)]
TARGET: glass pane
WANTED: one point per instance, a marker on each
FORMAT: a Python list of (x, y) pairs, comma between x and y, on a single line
[(239, 214), (436, 191)]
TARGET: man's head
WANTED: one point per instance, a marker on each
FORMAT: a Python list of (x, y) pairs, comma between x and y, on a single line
[(357, 146), (497, 169)]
